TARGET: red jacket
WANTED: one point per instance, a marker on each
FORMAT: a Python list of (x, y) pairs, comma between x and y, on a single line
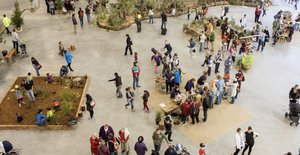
[(185, 108), (202, 151), (94, 145), (122, 136)]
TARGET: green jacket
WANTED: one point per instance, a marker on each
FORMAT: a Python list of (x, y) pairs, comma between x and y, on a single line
[(6, 22), (158, 138)]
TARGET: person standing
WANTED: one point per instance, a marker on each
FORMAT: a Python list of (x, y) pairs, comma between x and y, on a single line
[(27, 84), (102, 149), (47, 4), (189, 85), (74, 23), (249, 142), (169, 80), (202, 38), (61, 48), (217, 61), (138, 22), (113, 144), (212, 39), (234, 87), (261, 41), (151, 15), (157, 138), (124, 139), (257, 14), (209, 63), (90, 103), (194, 111), (202, 149), (118, 82), (185, 111), (140, 147), (80, 15), (227, 64), (94, 142), (6, 23), (168, 123), (189, 13), (220, 85), (15, 40), (135, 73), (169, 48), (104, 131), (243, 22), (145, 97), (163, 20), (239, 141), (205, 102), (36, 65), (130, 98), (69, 57), (52, 7), (192, 47), (128, 44), (88, 13)]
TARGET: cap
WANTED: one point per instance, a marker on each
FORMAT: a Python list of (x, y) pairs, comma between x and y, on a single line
[(16, 86)]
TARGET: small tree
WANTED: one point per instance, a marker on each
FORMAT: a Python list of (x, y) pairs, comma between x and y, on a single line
[(17, 19), (59, 4)]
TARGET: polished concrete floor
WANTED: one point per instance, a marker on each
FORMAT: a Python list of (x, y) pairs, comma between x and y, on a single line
[(99, 54)]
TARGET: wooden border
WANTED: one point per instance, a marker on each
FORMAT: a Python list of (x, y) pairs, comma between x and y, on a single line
[(48, 127)]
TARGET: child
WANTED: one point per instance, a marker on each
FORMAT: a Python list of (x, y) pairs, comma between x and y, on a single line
[(29, 77), (56, 105), (49, 78), (20, 118), (145, 100), (135, 57), (19, 95), (50, 114)]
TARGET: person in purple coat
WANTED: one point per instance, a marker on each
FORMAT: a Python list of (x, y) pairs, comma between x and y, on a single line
[(140, 147), (104, 131)]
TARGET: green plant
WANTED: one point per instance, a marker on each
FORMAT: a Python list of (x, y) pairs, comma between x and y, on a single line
[(247, 61), (16, 18), (114, 19), (59, 4), (39, 91), (126, 7), (158, 116), (1, 33), (67, 95), (66, 107)]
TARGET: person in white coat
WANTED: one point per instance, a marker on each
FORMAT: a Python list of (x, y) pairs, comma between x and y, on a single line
[(233, 89), (243, 22), (239, 141)]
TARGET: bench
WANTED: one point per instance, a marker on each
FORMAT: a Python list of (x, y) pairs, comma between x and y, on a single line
[(10, 55)]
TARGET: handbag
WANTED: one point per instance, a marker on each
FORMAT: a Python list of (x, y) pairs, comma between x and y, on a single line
[(93, 103), (39, 67)]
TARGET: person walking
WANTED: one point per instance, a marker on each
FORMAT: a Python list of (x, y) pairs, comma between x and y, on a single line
[(36, 65), (80, 16), (220, 85), (169, 48), (163, 20), (145, 100), (6, 23), (88, 13), (94, 142), (130, 98), (168, 123), (157, 138), (257, 14), (15, 40), (90, 104), (128, 44), (249, 140), (261, 41), (140, 147), (69, 57), (74, 23), (151, 15), (217, 61), (51, 7), (27, 84), (239, 141), (124, 140), (118, 82), (135, 73)]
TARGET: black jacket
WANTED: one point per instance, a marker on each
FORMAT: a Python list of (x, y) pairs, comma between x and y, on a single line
[(118, 81), (27, 85), (128, 41), (163, 17), (249, 138)]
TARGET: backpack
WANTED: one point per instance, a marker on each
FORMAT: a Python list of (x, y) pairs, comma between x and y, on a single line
[(241, 20)]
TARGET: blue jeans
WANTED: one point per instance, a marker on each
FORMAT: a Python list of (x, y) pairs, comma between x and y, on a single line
[(30, 95), (261, 44), (135, 82), (88, 17), (202, 46), (219, 98), (232, 99), (297, 26), (151, 17), (183, 119), (41, 122), (163, 24), (81, 21)]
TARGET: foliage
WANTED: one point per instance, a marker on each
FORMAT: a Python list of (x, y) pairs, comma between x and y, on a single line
[(16, 18), (158, 116), (154, 4), (59, 4), (114, 18), (101, 13), (126, 7), (39, 91), (66, 107), (69, 96), (233, 2), (247, 61)]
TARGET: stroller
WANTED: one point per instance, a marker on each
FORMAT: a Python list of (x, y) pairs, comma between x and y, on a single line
[(23, 48), (294, 113)]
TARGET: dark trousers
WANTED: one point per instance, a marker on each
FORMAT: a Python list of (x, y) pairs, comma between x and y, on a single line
[(69, 65), (145, 103), (237, 151), (91, 113), (139, 26), (204, 115), (256, 19), (169, 86), (81, 21), (246, 147), (195, 116), (52, 11), (16, 45), (217, 68), (274, 40), (233, 59), (126, 49), (190, 14), (261, 44), (208, 71), (169, 133), (165, 67), (157, 148), (7, 31)]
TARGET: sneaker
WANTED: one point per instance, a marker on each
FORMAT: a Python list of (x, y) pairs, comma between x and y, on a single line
[(138, 86)]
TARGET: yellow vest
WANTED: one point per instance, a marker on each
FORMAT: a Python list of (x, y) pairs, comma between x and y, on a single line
[(6, 21)]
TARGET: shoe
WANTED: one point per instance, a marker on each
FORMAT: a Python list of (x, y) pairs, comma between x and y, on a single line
[(184, 124), (170, 140), (125, 54), (138, 86), (72, 70)]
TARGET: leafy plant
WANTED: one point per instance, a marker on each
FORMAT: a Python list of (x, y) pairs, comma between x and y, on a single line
[(1, 33), (158, 116), (114, 19), (41, 92), (59, 4), (247, 61), (16, 18), (67, 95), (126, 7), (66, 107)]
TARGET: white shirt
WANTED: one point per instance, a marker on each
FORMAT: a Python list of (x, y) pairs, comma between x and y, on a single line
[(14, 36), (173, 12), (202, 38), (239, 140), (244, 22), (150, 13)]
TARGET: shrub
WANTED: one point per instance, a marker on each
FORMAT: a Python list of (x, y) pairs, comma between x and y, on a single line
[(59, 4), (114, 19), (247, 61), (16, 18), (66, 107)]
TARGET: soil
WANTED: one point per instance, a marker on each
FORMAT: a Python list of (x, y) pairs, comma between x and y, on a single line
[(9, 105)]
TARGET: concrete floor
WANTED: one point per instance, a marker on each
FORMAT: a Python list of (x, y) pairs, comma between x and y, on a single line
[(98, 54)]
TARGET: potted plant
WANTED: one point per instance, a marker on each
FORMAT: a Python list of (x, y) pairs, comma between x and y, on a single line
[(16, 18), (157, 117), (247, 61), (59, 6), (32, 9)]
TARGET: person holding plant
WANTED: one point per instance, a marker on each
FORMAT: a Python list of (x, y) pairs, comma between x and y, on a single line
[(36, 65), (40, 119), (15, 40), (6, 23)]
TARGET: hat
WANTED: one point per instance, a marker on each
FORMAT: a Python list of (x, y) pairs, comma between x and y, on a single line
[(139, 16), (202, 145), (16, 86)]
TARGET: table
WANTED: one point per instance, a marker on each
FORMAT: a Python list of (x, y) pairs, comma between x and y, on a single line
[(168, 107)]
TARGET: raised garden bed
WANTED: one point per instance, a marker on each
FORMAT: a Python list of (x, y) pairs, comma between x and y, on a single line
[(68, 91)]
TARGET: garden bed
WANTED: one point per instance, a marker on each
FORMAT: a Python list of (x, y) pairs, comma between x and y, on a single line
[(69, 92)]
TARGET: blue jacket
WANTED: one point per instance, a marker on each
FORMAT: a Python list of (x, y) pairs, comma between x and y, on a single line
[(220, 84), (177, 78), (189, 85), (39, 117), (68, 57)]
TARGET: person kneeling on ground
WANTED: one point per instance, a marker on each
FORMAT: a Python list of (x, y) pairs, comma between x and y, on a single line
[(19, 117), (40, 119), (50, 114)]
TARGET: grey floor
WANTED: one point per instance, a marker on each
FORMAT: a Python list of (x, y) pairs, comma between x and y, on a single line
[(99, 54)]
